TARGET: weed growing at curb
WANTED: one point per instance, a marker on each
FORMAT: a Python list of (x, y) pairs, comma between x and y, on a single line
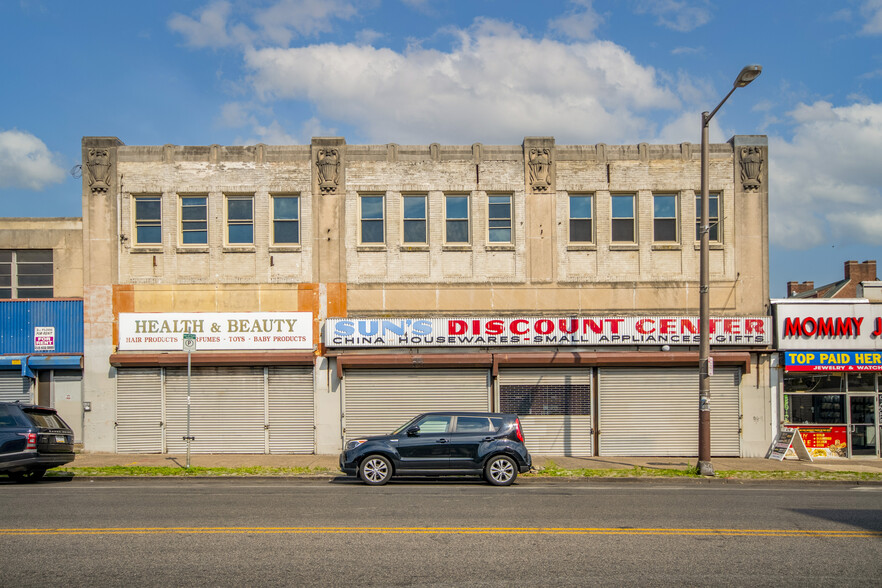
[(168, 471), (550, 469)]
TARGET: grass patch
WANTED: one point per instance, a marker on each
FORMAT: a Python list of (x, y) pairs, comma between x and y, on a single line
[(553, 470), (175, 471)]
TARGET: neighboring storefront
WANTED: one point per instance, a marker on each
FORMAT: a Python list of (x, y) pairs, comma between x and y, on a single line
[(581, 386), (41, 356), (830, 374), (250, 384)]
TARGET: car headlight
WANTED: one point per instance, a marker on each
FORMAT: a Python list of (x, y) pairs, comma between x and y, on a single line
[(354, 443)]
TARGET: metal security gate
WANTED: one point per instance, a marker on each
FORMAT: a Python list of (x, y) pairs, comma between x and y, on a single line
[(139, 420), (554, 407), (227, 410), (14, 387), (654, 411), (233, 410), (290, 408), (376, 402)]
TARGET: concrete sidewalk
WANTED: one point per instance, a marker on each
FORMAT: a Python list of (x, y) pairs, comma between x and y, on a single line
[(330, 462)]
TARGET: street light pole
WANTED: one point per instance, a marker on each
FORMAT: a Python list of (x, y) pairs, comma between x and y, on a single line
[(705, 467)]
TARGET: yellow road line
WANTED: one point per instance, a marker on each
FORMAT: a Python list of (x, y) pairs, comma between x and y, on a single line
[(449, 531)]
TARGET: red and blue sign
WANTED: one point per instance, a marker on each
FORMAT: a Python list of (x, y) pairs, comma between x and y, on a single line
[(833, 361)]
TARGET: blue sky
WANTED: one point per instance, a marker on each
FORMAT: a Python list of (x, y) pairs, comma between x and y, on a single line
[(456, 72)]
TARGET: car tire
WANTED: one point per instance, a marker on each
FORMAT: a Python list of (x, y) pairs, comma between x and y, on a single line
[(375, 470), (501, 471), (28, 476)]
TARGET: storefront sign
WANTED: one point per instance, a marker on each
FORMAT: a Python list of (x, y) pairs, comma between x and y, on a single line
[(839, 326), (558, 331), (833, 361), (44, 338), (215, 330), (824, 441)]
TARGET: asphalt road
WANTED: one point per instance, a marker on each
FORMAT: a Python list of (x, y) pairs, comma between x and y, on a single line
[(292, 533)]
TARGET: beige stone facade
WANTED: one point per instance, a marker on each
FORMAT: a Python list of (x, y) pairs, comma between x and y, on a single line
[(332, 271), (64, 236)]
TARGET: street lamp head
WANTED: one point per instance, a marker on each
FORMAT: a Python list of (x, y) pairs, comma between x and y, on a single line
[(747, 75)]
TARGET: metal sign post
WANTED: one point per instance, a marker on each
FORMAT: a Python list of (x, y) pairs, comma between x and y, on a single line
[(189, 347)]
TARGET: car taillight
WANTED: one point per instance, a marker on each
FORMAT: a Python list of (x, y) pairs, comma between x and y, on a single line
[(32, 441), (518, 430)]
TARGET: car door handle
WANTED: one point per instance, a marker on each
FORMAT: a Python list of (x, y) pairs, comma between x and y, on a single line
[(442, 440), (488, 438)]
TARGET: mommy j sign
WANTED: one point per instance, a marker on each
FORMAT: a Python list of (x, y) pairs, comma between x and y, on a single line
[(593, 330), (215, 330)]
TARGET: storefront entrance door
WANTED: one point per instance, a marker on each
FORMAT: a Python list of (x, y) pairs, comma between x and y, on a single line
[(862, 425)]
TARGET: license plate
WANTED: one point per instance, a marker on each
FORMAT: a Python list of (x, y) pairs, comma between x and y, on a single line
[(60, 439)]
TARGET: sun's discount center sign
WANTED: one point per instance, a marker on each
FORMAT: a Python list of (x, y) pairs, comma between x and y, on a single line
[(559, 331), (215, 330)]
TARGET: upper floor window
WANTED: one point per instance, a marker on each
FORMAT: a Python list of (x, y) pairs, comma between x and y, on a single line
[(623, 219), (499, 218), (372, 219), (26, 273), (240, 220), (194, 220), (414, 210), (581, 218), (713, 212), (456, 215), (664, 217), (286, 220), (148, 220)]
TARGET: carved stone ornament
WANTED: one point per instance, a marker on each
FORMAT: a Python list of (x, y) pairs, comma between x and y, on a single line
[(328, 163), (540, 169), (99, 169), (751, 168)]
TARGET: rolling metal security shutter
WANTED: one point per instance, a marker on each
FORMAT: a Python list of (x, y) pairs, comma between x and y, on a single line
[(227, 411), (139, 410), (376, 402), (14, 387), (553, 434), (654, 411), (291, 414)]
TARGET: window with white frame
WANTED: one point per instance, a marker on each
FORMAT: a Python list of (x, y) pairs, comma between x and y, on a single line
[(414, 215), (713, 217), (26, 273), (499, 218), (664, 217), (456, 219), (286, 220), (581, 218), (194, 220), (623, 218), (372, 219), (148, 220), (240, 220)]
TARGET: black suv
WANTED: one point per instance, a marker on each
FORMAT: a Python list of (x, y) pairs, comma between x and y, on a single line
[(442, 444), (32, 440)]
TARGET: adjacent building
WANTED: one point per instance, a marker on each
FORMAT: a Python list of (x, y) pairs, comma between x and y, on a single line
[(335, 290)]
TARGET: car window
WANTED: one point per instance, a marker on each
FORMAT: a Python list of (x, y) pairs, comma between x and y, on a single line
[(473, 425), (434, 424), (7, 419), (46, 420), (496, 423)]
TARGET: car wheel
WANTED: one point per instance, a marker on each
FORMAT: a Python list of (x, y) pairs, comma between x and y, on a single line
[(28, 476), (501, 471), (375, 470)]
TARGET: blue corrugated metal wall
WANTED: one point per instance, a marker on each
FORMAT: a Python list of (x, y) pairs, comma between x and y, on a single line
[(19, 317)]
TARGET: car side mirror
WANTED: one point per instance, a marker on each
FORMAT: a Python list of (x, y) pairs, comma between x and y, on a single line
[(413, 431)]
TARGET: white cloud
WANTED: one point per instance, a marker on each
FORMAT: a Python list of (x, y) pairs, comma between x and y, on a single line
[(495, 84), (826, 181), (872, 12), (579, 23), (679, 15), (210, 30), (26, 162), (289, 18)]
